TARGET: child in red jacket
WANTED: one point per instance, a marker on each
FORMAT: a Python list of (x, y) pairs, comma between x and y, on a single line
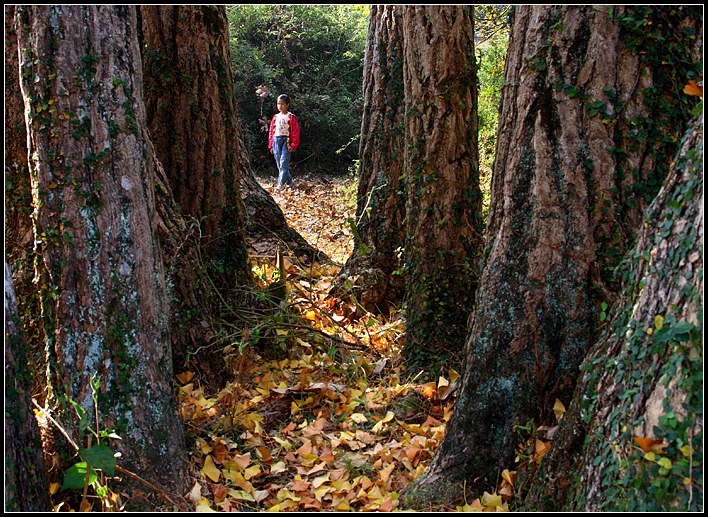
[(283, 139)]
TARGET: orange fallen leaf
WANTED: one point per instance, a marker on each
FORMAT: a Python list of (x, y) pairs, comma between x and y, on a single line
[(541, 449), (220, 452), (185, 377), (693, 88)]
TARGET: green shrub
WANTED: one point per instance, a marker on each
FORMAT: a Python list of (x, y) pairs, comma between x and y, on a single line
[(315, 55)]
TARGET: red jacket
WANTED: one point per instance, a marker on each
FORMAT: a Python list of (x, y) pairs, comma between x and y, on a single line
[(294, 133)]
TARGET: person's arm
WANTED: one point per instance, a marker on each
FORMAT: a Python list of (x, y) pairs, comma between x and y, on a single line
[(271, 132), (294, 133)]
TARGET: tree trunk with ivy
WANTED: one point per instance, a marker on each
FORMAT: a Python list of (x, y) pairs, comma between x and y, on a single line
[(588, 126), (192, 121), (18, 227), (100, 273), (26, 485), (636, 420), (19, 236), (379, 230), (443, 206)]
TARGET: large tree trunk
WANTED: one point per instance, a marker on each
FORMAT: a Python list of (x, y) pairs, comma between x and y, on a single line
[(192, 122), (100, 274), (643, 379), (582, 144), (26, 485), (381, 202), (443, 210)]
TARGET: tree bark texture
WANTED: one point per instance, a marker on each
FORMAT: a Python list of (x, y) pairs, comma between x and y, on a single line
[(381, 202), (577, 154), (18, 226), (19, 237), (192, 121), (443, 207), (100, 273), (643, 378), (26, 485)]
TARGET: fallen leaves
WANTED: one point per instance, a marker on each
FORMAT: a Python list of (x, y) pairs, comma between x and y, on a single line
[(322, 427), (693, 88)]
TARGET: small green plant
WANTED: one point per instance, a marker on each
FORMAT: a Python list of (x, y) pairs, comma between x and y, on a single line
[(99, 461)]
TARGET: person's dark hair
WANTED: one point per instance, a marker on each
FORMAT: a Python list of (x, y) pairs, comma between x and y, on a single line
[(285, 98)]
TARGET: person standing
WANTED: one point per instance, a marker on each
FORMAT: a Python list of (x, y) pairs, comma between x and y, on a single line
[(283, 140)]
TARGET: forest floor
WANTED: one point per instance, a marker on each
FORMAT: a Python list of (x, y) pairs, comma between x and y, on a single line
[(320, 414)]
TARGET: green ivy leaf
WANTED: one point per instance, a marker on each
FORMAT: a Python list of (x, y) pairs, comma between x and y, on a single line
[(75, 477), (100, 457)]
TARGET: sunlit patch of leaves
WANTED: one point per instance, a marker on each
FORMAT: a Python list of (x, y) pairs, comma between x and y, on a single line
[(318, 208)]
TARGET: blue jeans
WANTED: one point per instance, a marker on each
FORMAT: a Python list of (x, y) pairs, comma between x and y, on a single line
[(282, 159)]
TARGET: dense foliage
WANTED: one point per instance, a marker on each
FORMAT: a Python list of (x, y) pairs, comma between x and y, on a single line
[(491, 55), (315, 55)]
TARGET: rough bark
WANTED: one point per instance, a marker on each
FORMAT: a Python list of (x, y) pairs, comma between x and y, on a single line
[(100, 274), (381, 202), (26, 485), (19, 238), (18, 227), (644, 372), (443, 206), (582, 146), (192, 121)]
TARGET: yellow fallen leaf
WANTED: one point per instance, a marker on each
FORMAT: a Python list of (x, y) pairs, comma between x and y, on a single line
[(491, 499), (322, 491), (442, 382), (558, 409), (476, 506), (385, 474), (209, 470), (285, 494), (279, 467), (241, 495), (319, 480), (311, 315), (54, 488), (508, 476), (359, 418), (203, 506), (251, 471)]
